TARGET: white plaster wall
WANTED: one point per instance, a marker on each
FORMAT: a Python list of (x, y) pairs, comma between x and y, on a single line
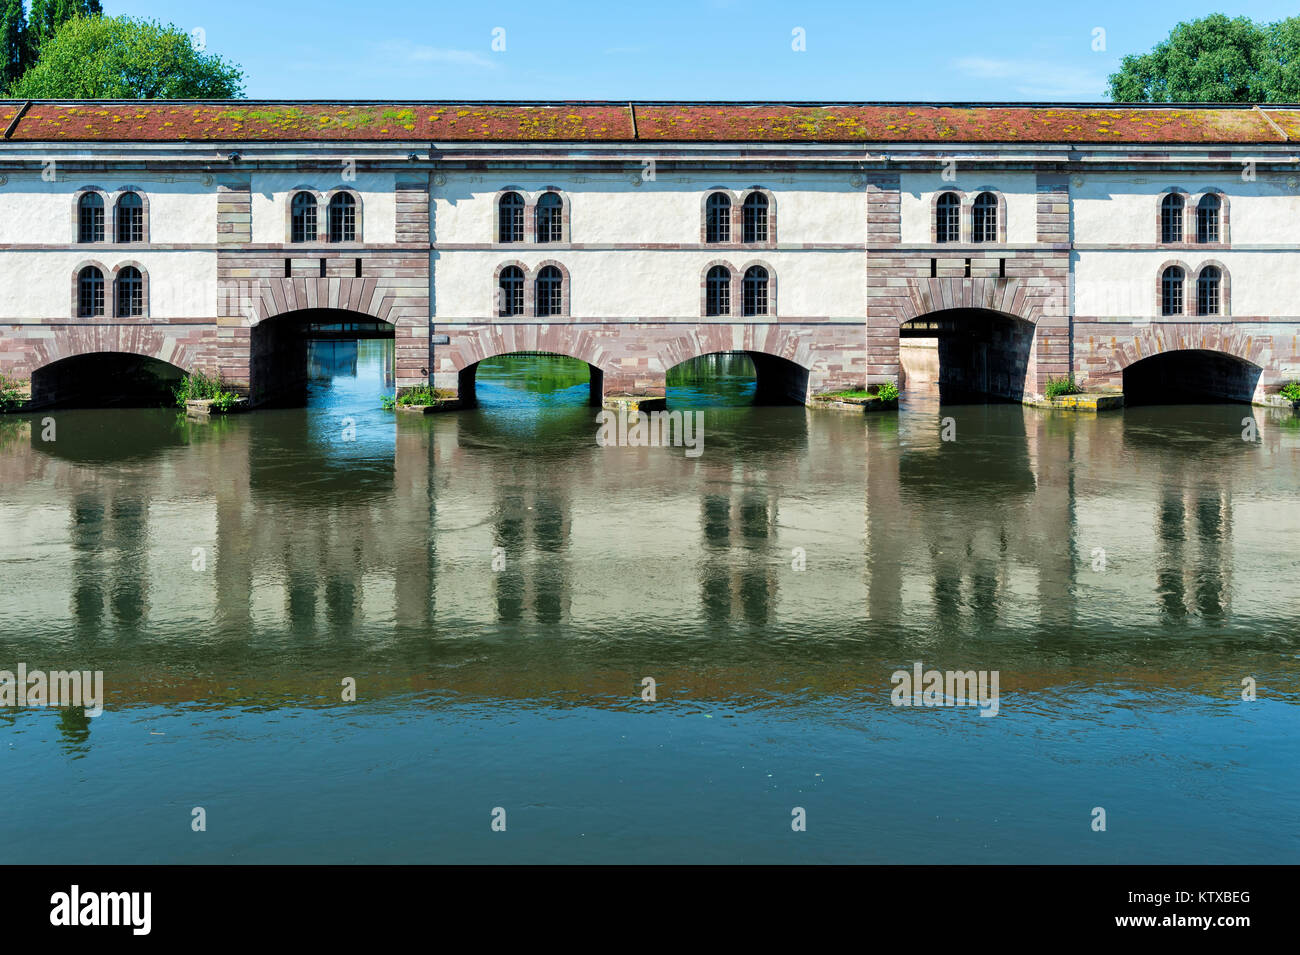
[(1118, 210), (271, 193), (662, 284), (604, 209), (36, 212), (38, 284), (1122, 283), (917, 191)]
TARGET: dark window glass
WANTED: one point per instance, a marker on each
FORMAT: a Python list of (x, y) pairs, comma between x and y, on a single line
[(550, 292), (90, 218), (130, 218), (343, 218), (1171, 218), (717, 218), (550, 218), (130, 292), (510, 214), (1207, 291), (511, 293), (948, 218), (755, 210), (90, 292), (717, 291), (1171, 291), (985, 221), (1207, 219), (303, 218), (755, 290)]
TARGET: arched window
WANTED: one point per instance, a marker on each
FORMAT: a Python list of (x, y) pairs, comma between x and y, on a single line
[(90, 291), (755, 215), (985, 222), (947, 218), (1171, 291), (550, 292), (511, 290), (130, 218), (1171, 218), (755, 290), (1207, 219), (303, 218), (550, 218), (717, 291), (90, 218), (130, 293), (343, 217), (510, 217), (717, 218), (1207, 291)]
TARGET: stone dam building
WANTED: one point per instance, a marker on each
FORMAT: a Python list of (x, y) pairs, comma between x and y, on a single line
[(1137, 248)]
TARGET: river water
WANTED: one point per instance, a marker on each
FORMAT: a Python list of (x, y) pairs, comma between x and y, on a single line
[(499, 587)]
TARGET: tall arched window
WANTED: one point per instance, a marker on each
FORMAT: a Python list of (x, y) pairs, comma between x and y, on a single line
[(550, 218), (717, 218), (947, 218), (1171, 218), (1208, 284), (343, 217), (130, 218), (130, 293), (303, 218), (755, 290), (1207, 219), (1171, 291), (755, 217), (717, 291), (985, 221), (510, 287), (550, 292), (90, 292), (510, 217), (90, 218)]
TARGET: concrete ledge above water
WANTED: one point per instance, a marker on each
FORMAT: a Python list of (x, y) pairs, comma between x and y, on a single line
[(1097, 402)]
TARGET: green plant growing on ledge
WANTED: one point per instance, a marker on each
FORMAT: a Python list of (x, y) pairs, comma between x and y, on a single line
[(11, 394), (1291, 391), (887, 391), (388, 402), (424, 395), (1057, 387), (196, 386)]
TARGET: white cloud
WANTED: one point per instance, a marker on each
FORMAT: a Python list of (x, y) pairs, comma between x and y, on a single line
[(405, 53), (1037, 78)]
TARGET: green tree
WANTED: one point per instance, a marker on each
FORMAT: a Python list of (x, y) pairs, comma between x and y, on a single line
[(13, 40), (125, 58), (46, 18), (1215, 60)]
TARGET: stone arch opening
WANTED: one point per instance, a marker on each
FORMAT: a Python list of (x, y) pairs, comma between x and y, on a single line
[(969, 354), (737, 377), (106, 379), (1190, 376), (542, 372), (287, 351)]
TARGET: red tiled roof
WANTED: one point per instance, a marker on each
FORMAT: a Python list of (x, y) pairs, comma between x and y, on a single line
[(180, 121)]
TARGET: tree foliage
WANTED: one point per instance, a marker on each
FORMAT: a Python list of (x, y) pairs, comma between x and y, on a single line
[(125, 58), (1215, 60)]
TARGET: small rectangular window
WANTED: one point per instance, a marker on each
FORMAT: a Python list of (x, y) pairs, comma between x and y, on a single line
[(288, 268), (358, 271), (934, 268), (322, 268), (968, 268), (1002, 268)]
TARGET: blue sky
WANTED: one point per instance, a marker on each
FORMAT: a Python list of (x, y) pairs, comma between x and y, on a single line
[(708, 49)]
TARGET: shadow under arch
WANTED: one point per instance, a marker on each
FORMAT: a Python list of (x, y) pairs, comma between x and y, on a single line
[(467, 377), (777, 380), (278, 369), (1190, 376), (983, 353), (105, 379)]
